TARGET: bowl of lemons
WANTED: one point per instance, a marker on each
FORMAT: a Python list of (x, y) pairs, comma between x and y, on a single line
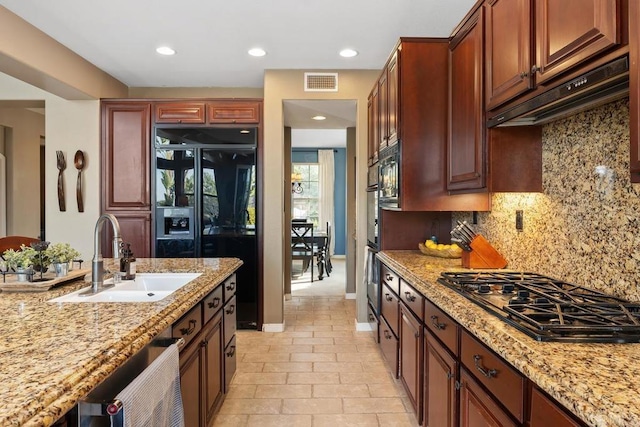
[(432, 248)]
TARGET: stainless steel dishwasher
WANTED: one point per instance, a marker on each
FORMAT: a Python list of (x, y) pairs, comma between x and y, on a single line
[(96, 408)]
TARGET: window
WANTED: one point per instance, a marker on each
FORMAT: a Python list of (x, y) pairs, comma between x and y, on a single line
[(305, 191)]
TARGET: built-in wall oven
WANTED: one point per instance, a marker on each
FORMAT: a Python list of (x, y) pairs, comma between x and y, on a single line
[(372, 267), (389, 178)]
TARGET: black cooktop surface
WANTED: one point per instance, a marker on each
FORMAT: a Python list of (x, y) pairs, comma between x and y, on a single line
[(548, 309)]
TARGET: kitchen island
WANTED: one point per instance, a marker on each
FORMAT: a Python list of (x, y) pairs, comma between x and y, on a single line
[(599, 383), (54, 354)]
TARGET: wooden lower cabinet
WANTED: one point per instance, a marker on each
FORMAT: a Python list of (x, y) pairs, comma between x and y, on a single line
[(212, 350), (477, 407), (545, 413), (389, 346), (440, 396), (191, 384), (411, 357)]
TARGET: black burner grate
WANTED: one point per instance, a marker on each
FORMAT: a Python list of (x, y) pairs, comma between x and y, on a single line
[(549, 309)]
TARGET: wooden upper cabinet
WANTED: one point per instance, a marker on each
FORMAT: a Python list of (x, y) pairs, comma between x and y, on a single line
[(571, 31), (383, 111), (126, 128), (233, 112), (372, 122), (393, 103), (466, 153), (634, 89), (180, 112), (508, 50)]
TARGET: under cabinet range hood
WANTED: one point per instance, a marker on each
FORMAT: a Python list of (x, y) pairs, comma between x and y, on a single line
[(597, 87)]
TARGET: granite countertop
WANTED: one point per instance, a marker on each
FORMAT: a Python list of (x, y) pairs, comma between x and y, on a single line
[(53, 354), (597, 382)]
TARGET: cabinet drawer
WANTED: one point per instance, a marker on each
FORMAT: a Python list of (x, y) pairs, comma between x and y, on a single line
[(189, 325), (413, 299), (179, 112), (229, 363), (234, 112), (390, 309), (212, 303), (230, 313), (390, 278), (479, 408), (442, 326), (229, 287), (389, 346), (506, 384)]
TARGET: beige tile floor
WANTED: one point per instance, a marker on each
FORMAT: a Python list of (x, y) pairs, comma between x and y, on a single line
[(318, 372)]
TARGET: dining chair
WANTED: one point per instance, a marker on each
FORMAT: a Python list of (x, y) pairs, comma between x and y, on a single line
[(14, 242), (323, 253), (302, 244)]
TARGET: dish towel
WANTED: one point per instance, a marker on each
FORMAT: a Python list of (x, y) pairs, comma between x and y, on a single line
[(153, 399)]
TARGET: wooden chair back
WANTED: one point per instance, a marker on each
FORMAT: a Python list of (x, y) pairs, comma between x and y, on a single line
[(14, 242)]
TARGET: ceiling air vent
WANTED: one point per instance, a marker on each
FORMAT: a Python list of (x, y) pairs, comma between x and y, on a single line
[(320, 82)]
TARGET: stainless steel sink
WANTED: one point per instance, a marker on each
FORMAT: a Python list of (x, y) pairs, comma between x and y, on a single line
[(147, 287)]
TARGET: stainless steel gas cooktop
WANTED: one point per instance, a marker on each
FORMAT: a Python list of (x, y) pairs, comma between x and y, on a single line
[(548, 309)]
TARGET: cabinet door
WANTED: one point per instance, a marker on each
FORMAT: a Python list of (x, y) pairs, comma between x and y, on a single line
[(234, 112), (212, 352), (545, 413), (135, 228), (126, 142), (383, 115), (372, 122), (570, 31), (229, 363), (411, 357), (477, 407), (393, 101), (389, 346), (179, 112), (508, 50), (191, 385), (466, 154), (634, 89), (440, 395)]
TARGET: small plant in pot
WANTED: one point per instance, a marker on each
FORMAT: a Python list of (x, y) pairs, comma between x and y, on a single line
[(21, 261), (60, 255)]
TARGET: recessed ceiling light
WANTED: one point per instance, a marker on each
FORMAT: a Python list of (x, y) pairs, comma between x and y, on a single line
[(165, 50), (318, 118), (348, 53), (256, 51)]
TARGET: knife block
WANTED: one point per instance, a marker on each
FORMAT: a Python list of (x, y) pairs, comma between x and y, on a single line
[(482, 255)]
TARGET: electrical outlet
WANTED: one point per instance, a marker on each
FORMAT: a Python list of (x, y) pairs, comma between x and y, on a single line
[(519, 220), (475, 218)]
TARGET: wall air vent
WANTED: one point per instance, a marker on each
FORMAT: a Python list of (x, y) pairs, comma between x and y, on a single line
[(320, 82)]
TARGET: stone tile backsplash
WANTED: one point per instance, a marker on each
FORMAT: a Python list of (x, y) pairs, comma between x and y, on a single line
[(585, 226)]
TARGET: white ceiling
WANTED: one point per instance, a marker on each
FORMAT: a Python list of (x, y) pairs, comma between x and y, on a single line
[(211, 38)]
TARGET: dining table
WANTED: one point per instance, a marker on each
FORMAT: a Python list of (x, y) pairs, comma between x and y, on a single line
[(318, 241)]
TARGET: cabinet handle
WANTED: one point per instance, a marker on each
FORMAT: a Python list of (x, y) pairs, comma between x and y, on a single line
[(523, 74), (232, 351), (190, 329), (409, 296), (231, 286), (389, 278), (450, 375), (489, 373), (388, 297), (387, 335), (534, 69), (434, 322), (231, 309), (214, 303)]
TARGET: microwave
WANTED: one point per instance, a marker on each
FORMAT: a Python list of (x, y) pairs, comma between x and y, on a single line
[(389, 178)]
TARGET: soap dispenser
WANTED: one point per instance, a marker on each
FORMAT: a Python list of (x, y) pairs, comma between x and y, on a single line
[(127, 262)]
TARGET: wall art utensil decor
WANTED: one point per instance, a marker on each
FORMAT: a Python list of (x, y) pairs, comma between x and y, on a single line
[(61, 164), (79, 162)]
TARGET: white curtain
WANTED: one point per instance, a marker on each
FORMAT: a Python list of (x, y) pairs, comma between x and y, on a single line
[(327, 170)]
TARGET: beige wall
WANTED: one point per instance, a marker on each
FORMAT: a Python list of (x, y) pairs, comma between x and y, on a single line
[(194, 92), (23, 130), (280, 85)]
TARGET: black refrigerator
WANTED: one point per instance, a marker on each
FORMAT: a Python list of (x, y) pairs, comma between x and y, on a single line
[(205, 202)]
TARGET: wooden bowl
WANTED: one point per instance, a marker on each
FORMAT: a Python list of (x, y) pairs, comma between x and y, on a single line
[(445, 253)]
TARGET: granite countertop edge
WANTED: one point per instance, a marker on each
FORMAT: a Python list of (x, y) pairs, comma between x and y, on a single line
[(46, 406), (581, 376)]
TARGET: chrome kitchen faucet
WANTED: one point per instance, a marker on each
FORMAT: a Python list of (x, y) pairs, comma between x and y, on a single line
[(97, 264)]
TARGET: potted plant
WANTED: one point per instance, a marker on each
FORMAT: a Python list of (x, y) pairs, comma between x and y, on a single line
[(60, 255), (21, 261)]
